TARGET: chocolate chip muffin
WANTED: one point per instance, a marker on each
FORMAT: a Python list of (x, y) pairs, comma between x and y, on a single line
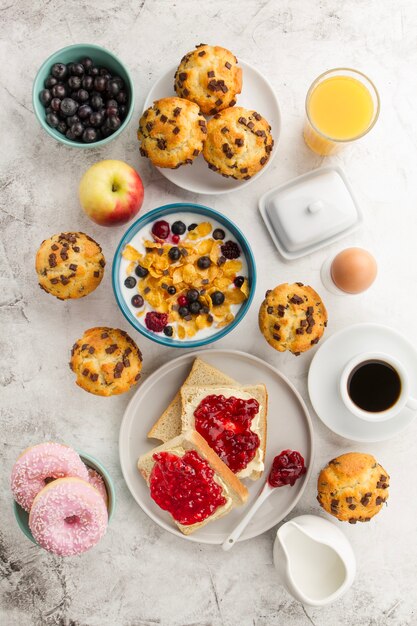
[(69, 265), (353, 487), (292, 317), (106, 361), (172, 132), (210, 77), (239, 143)]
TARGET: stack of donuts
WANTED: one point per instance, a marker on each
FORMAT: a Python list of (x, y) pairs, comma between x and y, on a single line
[(66, 501)]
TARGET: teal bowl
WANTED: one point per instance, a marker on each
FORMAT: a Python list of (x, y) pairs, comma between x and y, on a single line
[(76, 52), (22, 516), (161, 213)]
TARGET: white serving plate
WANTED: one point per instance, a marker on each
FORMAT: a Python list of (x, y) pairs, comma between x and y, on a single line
[(258, 95), (289, 426)]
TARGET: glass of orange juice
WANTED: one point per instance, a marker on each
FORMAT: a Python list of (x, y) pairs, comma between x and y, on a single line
[(342, 105)]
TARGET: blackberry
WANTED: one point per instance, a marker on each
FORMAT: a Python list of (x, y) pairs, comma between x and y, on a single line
[(230, 250)]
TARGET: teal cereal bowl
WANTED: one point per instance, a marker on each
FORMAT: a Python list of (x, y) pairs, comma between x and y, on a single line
[(74, 53), (171, 212), (22, 516)]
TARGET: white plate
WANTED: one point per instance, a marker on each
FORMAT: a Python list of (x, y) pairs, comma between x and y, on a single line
[(289, 426), (327, 366), (258, 95)]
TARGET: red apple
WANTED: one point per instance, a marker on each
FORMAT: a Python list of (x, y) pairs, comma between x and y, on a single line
[(111, 192)]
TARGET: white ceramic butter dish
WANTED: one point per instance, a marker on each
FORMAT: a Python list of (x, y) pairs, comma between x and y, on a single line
[(310, 212)]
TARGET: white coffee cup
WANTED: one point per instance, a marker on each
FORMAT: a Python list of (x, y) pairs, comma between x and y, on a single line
[(404, 398)]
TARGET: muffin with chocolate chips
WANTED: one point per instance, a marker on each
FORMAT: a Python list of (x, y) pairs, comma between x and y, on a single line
[(69, 265), (353, 487), (210, 77), (106, 361), (239, 143), (172, 132), (292, 317)]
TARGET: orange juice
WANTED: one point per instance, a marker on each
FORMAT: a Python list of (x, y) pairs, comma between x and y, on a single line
[(340, 108)]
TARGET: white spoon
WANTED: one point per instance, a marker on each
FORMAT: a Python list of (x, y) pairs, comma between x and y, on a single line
[(266, 491)]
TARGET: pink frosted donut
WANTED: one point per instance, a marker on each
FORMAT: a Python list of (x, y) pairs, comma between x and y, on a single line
[(96, 480), (68, 517), (39, 463)]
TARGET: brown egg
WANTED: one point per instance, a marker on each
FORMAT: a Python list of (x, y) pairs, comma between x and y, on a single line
[(353, 270)]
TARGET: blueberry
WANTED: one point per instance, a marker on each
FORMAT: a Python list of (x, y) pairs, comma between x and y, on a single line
[(69, 107), (192, 295), (77, 129), (111, 102), (52, 120), (84, 111), (55, 104), (113, 87), (122, 111), (111, 111), (96, 102), (103, 71), (77, 69), (137, 301), (141, 271), (93, 71), (114, 122), (45, 97), (82, 95), (195, 308), (183, 311), (59, 91), (130, 282), (100, 83), (50, 81), (168, 331), (87, 63), (73, 119), (70, 68), (59, 71), (62, 127), (74, 82), (238, 281), (174, 253), (96, 119), (87, 82), (171, 290), (106, 130), (217, 298), (178, 228), (218, 233), (192, 226), (204, 262), (121, 97), (119, 81), (70, 135), (89, 135)]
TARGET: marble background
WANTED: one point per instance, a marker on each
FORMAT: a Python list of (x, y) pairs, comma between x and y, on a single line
[(140, 575)]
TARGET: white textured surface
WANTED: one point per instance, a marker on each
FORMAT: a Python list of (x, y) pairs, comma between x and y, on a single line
[(140, 575)]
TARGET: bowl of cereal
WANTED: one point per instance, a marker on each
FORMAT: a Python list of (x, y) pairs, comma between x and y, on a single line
[(184, 275)]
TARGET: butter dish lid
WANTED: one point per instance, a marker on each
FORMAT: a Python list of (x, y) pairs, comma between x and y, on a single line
[(310, 212)]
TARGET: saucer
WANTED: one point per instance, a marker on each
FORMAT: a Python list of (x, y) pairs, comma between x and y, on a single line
[(257, 94), (326, 369)]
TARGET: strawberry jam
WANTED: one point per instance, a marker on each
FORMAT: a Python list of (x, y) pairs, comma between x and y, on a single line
[(185, 487), (286, 468), (225, 425)]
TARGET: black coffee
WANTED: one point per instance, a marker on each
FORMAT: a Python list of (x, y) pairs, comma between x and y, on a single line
[(374, 386)]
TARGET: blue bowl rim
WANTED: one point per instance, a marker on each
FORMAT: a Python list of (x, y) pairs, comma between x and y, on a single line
[(64, 140), (91, 462), (168, 209)]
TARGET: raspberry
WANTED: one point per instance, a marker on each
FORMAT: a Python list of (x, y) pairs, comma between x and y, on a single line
[(156, 321), (230, 250)]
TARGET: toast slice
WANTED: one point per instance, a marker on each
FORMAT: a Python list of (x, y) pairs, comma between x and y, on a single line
[(191, 396), (235, 492), (169, 425)]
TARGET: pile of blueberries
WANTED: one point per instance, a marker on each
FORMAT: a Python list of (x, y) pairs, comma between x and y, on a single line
[(84, 102)]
